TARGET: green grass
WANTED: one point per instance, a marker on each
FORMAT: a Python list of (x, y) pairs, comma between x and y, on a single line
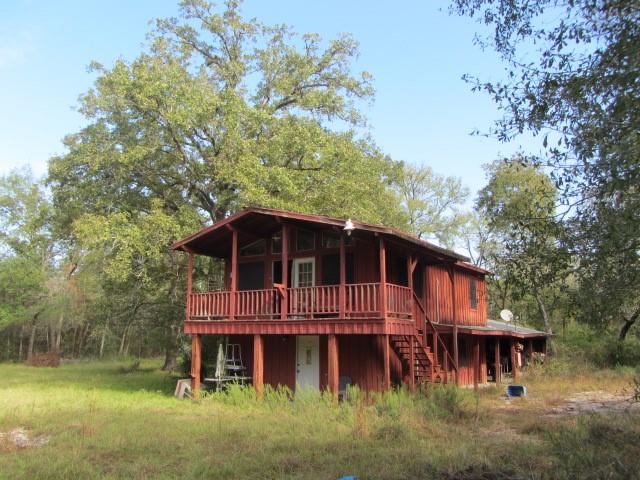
[(107, 421)]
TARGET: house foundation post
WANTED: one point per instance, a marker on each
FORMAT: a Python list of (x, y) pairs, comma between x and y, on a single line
[(514, 361), (497, 361), (476, 362), (258, 364), (196, 360), (333, 366)]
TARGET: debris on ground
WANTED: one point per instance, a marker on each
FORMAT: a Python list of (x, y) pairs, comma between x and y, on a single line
[(19, 438), (50, 359), (594, 402)]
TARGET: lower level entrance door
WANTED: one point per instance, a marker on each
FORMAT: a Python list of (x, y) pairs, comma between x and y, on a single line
[(308, 361)]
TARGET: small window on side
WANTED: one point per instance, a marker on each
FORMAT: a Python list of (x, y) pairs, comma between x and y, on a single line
[(473, 292)]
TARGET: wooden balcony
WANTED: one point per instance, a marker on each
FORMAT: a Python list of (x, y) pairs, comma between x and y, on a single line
[(362, 301)]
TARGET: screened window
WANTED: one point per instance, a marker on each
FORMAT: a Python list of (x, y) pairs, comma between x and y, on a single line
[(254, 249), (305, 240), (331, 269), (330, 240), (473, 293), (251, 276), (276, 244)]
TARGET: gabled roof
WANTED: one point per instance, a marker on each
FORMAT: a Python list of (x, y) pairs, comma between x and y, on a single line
[(253, 219)]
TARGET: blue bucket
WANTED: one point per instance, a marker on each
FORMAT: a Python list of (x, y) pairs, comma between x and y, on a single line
[(516, 391)]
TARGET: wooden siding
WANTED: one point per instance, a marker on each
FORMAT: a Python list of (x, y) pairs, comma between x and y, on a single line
[(439, 303), (359, 358)]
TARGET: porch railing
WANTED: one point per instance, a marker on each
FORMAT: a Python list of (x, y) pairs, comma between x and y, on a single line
[(361, 300)]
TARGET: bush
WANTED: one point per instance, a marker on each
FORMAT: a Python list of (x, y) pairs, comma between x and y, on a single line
[(600, 349)]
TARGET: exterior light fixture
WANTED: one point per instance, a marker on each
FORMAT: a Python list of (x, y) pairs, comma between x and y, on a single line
[(349, 227)]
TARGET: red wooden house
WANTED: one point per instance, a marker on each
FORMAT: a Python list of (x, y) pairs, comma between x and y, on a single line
[(321, 301)]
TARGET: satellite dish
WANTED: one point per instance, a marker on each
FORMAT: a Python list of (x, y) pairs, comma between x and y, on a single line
[(506, 315)]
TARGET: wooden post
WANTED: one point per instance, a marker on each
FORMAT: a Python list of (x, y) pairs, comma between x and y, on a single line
[(497, 360), (196, 358), (412, 363), (529, 343), (476, 362), (383, 279), (234, 274), (436, 355), (454, 301), (258, 364), (189, 286), (514, 361), (386, 359), (284, 306), (333, 367), (342, 292)]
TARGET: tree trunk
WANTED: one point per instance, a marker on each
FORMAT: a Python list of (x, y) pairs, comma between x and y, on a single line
[(21, 341), (32, 339), (59, 333), (628, 323), (171, 350), (122, 340), (102, 340), (543, 313)]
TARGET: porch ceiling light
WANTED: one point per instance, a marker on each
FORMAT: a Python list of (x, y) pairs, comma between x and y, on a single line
[(349, 227)]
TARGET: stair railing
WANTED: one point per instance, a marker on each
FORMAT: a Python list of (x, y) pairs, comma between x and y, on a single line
[(437, 337)]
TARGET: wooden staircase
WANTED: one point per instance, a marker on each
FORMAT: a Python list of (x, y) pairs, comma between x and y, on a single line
[(426, 365)]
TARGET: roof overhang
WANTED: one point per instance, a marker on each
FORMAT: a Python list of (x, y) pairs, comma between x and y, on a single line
[(257, 222)]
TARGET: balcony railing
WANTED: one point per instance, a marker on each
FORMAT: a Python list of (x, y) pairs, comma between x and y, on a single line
[(361, 300)]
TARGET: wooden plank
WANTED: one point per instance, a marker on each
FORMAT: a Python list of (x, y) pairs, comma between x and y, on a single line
[(514, 361), (284, 305), (498, 371), (476, 362), (189, 286), (234, 274), (343, 279), (196, 360), (456, 358), (258, 364), (333, 371), (383, 278), (412, 364), (386, 358)]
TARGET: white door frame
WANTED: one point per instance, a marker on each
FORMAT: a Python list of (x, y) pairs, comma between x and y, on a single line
[(308, 361), (295, 269)]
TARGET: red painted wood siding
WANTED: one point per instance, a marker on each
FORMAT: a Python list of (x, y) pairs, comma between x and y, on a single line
[(359, 357), (439, 303)]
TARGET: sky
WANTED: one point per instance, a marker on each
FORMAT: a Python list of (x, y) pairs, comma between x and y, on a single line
[(417, 52)]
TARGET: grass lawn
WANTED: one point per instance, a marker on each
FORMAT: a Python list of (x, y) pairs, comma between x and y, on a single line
[(107, 422)]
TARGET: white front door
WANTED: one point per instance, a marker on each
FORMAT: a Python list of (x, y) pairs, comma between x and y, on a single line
[(304, 272), (308, 361)]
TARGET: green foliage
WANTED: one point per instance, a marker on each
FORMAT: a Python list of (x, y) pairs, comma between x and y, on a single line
[(572, 81), (526, 253), (599, 349), (433, 204)]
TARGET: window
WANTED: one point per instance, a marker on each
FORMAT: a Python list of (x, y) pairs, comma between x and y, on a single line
[(331, 269), (254, 249), (251, 276), (276, 244), (330, 240), (305, 240), (473, 292)]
